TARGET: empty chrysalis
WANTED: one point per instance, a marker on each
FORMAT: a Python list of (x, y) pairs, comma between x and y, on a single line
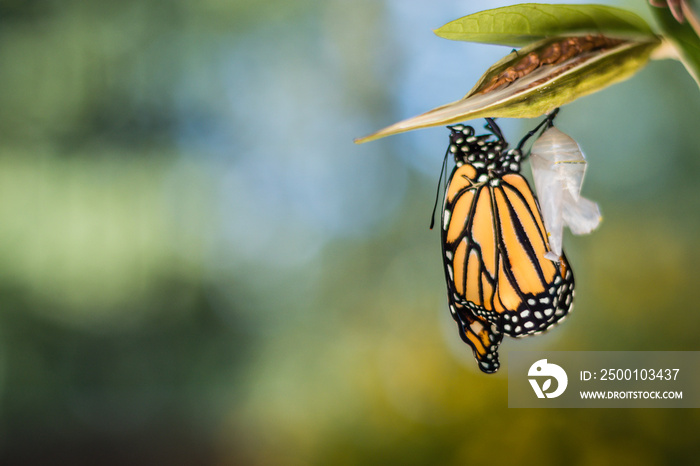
[(558, 166)]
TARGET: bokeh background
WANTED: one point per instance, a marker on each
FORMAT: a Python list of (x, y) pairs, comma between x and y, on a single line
[(198, 266)]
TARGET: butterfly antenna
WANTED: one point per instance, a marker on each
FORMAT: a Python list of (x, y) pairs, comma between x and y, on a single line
[(437, 194), (549, 121)]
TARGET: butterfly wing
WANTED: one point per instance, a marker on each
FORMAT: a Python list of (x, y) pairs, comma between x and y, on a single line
[(498, 280), (534, 291), (470, 287), (484, 337)]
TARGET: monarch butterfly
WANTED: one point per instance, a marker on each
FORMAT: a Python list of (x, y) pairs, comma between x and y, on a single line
[(494, 244)]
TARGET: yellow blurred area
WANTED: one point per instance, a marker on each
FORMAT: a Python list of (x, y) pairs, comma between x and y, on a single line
[(198, 266)]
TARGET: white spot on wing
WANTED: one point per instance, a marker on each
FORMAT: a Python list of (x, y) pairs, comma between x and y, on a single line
[(446, 219)]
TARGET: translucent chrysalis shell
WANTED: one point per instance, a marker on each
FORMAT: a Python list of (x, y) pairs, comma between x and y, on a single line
[(558, 166)]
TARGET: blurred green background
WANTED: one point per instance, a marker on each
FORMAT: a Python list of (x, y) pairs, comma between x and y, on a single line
[(198, 266)]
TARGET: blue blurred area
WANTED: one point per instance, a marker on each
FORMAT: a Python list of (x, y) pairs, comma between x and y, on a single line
[(198, 266)]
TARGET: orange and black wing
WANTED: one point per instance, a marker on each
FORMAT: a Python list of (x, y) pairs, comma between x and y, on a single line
[(494, 244), (469, 285), (533, 292), (484, 337)]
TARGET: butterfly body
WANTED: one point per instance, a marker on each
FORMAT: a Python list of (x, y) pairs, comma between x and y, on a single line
[(494, 245)]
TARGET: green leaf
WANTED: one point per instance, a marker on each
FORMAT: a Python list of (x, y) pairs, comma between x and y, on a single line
[(538, 92), (519, 25), (684, 38)]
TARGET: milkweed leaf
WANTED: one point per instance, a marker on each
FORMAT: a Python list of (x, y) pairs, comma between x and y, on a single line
[(539, 90), (519, 25)]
